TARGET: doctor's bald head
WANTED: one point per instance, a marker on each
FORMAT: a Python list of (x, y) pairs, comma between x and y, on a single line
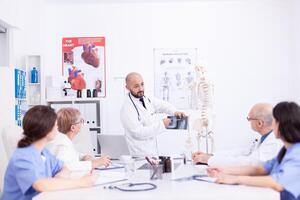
[(135, 84), (261, 118)]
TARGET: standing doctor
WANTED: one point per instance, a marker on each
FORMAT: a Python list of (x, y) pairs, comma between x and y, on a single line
[(140, 120)]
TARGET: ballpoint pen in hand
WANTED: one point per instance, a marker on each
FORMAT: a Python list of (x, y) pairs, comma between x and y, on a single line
[(151, 161)]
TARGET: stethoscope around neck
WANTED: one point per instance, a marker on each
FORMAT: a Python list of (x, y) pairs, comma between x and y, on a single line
[(137, 111)]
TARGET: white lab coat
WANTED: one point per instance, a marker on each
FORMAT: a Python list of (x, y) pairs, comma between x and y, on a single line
[(257, 154), (141, 129), (62, 147)]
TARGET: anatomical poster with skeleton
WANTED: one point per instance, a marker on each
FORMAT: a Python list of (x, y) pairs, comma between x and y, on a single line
[(83, 64), (174, 75)]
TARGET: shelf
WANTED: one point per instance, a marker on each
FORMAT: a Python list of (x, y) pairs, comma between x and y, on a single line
[(34, 84), (21, 99), (68, 99), (33, 104)]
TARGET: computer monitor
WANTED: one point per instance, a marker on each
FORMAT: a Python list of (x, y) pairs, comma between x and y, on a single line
[(113, 145)]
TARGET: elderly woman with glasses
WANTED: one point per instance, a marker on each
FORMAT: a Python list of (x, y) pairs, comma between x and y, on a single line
[(69, 123)]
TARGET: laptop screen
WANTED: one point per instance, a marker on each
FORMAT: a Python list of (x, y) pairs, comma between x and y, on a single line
[(113, 145)]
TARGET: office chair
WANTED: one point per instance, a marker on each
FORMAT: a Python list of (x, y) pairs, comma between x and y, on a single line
[(9, 137), (83, 141)]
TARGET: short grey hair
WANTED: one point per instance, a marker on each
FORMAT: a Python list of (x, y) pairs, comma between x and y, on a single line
[(265, 115)]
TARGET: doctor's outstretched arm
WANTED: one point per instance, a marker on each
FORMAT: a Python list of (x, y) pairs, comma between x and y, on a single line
[(136, 128)]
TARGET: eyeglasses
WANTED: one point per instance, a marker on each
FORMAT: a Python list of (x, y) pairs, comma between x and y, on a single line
[(80, 121), (250, 118)]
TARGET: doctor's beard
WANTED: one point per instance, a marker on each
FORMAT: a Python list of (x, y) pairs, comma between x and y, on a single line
[(139, 94)]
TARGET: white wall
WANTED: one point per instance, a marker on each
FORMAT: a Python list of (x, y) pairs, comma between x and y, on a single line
[(247, 45), (296, 47), (9, 12)]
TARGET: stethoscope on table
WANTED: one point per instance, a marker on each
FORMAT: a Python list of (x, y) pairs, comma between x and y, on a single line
[(132, 187), (138, 113)]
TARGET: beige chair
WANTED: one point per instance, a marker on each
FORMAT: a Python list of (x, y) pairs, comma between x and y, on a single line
[(9, 137), (83, 141)]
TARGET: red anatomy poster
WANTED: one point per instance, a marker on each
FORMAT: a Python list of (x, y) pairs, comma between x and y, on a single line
[(83, 64)]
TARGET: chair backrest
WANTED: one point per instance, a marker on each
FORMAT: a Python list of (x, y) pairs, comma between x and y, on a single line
[(10, 137), (83, 141)]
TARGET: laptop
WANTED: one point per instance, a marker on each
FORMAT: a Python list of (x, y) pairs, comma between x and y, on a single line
[(113, 145)]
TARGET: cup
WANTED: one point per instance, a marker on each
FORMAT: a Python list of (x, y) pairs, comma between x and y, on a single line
[(156, 171), (128, 163)]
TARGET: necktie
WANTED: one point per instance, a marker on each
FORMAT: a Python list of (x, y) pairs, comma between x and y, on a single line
[(142, 100)]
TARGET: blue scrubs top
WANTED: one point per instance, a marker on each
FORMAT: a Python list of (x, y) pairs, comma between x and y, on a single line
[(287, 173), (26, 166)]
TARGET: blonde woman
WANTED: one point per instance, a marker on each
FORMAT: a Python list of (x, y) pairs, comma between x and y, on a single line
[(69, 123)]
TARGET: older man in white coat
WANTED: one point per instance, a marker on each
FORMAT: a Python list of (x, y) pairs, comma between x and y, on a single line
[(140, 120), (263, 149)]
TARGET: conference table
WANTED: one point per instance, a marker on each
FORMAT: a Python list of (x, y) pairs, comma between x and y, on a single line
[(175, 185)]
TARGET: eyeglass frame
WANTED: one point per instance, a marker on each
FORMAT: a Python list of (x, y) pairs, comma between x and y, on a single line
[(81, 121), (251, 119)]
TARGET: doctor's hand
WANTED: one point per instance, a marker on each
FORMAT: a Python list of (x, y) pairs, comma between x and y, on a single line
[(166, 121), (102, 161), (179, 114)]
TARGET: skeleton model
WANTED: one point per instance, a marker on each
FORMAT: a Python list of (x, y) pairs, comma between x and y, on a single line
[(166, 86), (203, 94), (189, 80)]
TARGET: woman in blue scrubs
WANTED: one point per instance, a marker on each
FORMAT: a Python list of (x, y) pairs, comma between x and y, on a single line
[(32, 169), (281, 173)]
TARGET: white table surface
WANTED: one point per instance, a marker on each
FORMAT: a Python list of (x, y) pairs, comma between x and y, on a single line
[(167, 189)]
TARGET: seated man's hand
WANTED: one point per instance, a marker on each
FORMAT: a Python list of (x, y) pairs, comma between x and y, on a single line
[(200, 157), (179, 114)]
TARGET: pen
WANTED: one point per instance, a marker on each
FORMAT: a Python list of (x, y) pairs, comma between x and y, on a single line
[(149, 161)]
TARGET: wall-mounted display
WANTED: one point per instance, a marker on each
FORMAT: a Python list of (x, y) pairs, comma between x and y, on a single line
[(83, 64), (174, 75)]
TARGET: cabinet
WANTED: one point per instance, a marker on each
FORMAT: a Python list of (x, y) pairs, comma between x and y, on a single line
[(34, 85), (90, 112)]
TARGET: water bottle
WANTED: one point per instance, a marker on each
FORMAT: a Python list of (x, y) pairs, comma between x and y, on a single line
[(34, 75)]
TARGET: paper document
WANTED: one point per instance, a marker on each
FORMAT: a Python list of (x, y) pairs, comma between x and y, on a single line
[(207, 179), (112, 166), (106, 177), (197, 178)]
